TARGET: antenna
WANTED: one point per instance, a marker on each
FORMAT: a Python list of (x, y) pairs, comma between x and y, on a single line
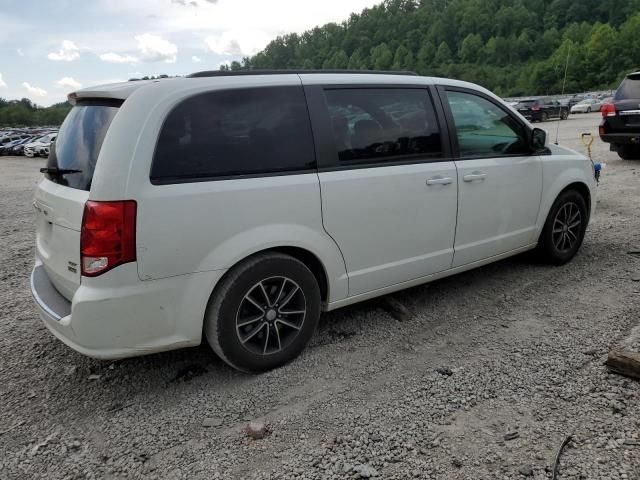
[(564, 82)]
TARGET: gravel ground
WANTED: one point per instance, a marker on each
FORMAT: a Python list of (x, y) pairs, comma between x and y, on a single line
[(493, 369)]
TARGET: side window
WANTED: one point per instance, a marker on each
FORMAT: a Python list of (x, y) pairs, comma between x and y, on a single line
[(383, 124), (235, 132), (484, 129)]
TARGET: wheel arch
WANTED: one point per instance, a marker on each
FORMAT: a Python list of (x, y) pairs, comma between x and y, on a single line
[(582, 189), (565, 170), (312, 262), (575, 184), (308, 258)]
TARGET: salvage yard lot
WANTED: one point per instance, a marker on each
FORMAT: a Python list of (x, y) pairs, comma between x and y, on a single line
[(493, 369)]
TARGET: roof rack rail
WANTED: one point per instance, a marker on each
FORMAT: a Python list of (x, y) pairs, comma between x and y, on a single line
[(231, 73)]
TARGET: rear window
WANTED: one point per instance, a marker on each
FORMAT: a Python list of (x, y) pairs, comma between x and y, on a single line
[(79, 141), (628, 89), (233, 133)]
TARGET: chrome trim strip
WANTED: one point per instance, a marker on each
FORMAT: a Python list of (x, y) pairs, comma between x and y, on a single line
[(629, 112), (39, 301)]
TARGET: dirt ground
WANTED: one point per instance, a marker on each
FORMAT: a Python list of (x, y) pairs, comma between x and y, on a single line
[(492, 371)]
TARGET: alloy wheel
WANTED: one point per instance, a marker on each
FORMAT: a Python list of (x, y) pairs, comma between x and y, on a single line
[(271, 315), (566, 227)]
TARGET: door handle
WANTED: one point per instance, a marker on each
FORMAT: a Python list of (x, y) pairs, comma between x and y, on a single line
[(477, 175), (439, 180)]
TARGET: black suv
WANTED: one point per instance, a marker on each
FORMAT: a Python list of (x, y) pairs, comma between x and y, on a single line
[(620, 124), (542, 109)]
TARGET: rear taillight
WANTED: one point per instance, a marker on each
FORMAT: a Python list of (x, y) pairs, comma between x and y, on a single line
[(535, 108), (608, 110), (108, 236)]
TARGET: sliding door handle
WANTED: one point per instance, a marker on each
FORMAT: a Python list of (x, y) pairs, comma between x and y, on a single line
[(477, 175), (440, 180)]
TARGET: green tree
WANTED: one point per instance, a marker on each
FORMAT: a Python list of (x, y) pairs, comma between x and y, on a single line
[(381, 57), (443, 54), (403, 59), (338, 60), (629, 43), (510, 46), (358, 60), (601, 52), (426, 56), (471, 48)]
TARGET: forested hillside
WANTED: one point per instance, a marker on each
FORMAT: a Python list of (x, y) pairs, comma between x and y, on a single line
[(18, 113), (516, 47)]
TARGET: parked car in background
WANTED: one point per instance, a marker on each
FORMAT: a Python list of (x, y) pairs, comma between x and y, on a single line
[(587, 105), (8, 138), (18, 149), (6, 148), (157, 228), (620, 125), (572, 100), (542, 109), (33, 149)]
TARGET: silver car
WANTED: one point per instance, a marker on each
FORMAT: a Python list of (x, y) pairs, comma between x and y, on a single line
[(587, 105)]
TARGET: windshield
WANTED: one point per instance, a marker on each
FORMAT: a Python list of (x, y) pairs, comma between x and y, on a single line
[(79, 141), (628, 89)]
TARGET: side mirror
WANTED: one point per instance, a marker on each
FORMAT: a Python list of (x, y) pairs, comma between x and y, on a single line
[(538, 139)]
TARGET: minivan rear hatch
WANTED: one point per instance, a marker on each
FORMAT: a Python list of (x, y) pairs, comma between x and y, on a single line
[(61, 196)]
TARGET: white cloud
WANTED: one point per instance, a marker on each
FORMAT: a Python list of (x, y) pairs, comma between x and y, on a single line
[(237, 42), (69, 82), (152, 48), (156, 49), (67, 53), (196, 59), (20, 52), (35, 91), (112, 57), (3, 84)]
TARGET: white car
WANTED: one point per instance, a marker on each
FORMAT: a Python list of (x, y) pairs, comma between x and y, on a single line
[(33, 149), (587, 105), (238, 206)]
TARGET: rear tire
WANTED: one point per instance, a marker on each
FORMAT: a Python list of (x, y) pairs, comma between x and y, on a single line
[(564, 115), (627, 152), (544, 117), (588, 109), (564, 229), (263, 312)]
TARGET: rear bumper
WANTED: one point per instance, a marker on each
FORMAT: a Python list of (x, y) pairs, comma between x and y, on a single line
[(121, 316), (622, 138)]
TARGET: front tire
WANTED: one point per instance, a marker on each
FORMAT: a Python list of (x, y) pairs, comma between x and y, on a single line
[(564, 115), (263, 312), (564, 228), (588, 109)]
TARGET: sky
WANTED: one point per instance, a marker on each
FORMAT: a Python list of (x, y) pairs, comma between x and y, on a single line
[(51, 48)]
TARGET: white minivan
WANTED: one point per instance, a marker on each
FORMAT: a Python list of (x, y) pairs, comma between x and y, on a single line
[(239, 205)]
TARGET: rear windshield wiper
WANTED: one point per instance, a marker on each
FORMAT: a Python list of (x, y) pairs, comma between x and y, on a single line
[(58, 171)]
